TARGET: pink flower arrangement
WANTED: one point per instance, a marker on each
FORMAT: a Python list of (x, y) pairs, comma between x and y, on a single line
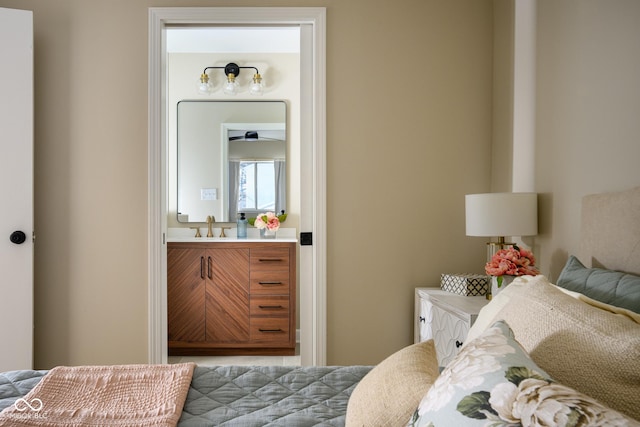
[(267, 220), (512, 262)]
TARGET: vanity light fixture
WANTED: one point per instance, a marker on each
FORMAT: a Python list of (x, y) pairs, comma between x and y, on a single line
[(232, 71)]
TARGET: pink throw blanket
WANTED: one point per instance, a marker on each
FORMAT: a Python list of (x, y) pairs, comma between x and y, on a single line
[(120, 395)]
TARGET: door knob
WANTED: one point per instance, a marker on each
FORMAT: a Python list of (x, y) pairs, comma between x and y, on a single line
[(18, 237)]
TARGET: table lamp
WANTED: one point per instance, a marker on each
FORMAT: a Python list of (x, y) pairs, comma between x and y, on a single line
[(499, 215)]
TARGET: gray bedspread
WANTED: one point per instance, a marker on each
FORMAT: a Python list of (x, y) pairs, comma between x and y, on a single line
[(245, 396)]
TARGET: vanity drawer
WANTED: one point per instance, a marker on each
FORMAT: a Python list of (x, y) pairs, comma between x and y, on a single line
[(269, 330), (269, 283), (270, 259), (272, 306)]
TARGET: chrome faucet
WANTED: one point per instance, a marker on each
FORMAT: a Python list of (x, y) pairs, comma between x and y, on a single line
[(210, 220)]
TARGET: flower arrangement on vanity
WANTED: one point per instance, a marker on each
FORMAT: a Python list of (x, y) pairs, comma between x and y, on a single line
[(268, 223)]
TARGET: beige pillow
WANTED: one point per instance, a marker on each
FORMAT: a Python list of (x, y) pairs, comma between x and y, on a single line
[(584, 347), (390, 392), (489, 312)]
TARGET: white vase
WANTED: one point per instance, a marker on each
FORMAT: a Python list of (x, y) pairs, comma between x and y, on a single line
[(265, 233), (495, 289)]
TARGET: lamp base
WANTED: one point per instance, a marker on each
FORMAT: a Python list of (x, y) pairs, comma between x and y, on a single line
[(492, 249)]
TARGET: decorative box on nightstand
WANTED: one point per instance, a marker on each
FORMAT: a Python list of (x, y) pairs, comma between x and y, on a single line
[(446, 317)]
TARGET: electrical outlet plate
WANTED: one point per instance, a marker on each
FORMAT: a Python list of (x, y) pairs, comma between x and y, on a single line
[(208, 194)]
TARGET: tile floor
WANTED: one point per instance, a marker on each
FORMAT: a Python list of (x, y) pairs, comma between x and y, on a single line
[(240, 360)]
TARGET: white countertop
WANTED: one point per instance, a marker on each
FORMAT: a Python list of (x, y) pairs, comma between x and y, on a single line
[(186, 234)]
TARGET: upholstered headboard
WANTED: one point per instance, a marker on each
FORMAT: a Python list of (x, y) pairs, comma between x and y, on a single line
[(610, 231)]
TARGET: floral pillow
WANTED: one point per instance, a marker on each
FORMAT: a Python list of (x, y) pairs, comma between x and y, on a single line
[(493, 382)]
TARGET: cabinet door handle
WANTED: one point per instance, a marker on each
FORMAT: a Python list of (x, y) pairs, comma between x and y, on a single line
[(458, 344), (202, 267), (422, 319), (270, 330), (270, 283), (270, 307), (209, 268)]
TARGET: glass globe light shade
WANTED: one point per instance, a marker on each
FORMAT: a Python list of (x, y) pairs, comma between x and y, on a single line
[(231, 86), (204, 85), (257, 87)]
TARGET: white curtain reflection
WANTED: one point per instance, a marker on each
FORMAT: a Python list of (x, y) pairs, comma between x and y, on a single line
[(234, 186), (280, 168)]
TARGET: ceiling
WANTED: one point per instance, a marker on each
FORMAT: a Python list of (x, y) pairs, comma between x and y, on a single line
[(234, 39)]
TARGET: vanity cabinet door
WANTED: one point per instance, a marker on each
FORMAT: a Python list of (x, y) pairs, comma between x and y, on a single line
[(186, 281), (227, 295)]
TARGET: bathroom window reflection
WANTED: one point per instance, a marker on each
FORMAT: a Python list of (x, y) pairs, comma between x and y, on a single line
[(260, 186), (257, 187)]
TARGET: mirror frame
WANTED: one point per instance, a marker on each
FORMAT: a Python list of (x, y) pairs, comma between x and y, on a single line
[(312, 21)]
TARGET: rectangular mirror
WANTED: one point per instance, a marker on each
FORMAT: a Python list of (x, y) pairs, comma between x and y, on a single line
[(231, 158)]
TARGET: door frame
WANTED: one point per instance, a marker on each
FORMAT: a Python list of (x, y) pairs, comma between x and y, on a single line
[(312, 22)]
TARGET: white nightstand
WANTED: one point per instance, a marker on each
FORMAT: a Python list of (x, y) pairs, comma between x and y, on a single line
[(446, 317)]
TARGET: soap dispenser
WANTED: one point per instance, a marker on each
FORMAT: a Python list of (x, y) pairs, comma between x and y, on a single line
[(242, 227)]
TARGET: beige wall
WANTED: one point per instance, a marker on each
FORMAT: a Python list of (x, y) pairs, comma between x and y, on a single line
[(588, 111), (503, 93), (410, 126), (409, 101), (409, 133)]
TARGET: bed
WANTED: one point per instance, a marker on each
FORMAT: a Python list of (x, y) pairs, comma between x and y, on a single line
[(215, 396), (562, 353)]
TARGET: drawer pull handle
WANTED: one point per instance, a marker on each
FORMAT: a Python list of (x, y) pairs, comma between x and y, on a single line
[(458, 344), (270, 259), (270, 330), (270, 307), (270, 283)]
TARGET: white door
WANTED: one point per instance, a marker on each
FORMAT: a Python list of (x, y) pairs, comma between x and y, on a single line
[(16, 189)]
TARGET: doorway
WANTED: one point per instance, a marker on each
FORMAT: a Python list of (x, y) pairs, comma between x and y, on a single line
[(312, 159)]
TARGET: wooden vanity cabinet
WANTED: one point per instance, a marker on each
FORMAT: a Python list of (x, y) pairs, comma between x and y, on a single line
[(231, 298)]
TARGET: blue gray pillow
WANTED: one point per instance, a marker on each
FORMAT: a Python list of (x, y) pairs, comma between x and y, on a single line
[(611, 287)]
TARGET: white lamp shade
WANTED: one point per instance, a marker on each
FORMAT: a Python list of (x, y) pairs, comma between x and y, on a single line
[(501, 214)]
